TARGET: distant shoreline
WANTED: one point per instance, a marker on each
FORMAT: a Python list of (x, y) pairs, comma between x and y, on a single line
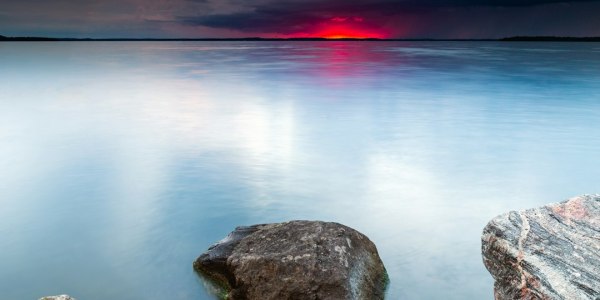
[(550, 39), (316, 39)]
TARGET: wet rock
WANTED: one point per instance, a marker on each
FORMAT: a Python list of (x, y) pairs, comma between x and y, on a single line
[(295, 260), (552, 252), (59, 297)]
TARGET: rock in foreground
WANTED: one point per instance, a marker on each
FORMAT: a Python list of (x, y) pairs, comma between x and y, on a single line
[(59, 297), (295, 260), (552, 252)]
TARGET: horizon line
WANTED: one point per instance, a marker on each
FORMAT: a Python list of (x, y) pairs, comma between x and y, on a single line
[(512, 38)]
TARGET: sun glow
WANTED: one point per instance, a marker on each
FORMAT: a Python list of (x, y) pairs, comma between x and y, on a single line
[(345, 28), (345, 33)]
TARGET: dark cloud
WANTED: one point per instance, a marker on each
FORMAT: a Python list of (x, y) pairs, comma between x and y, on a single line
[(289, 16), (232, 18)]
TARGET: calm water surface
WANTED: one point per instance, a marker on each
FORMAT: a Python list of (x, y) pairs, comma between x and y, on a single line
[(121, 162)]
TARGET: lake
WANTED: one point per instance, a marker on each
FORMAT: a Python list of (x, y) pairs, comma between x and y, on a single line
[(121, 162)]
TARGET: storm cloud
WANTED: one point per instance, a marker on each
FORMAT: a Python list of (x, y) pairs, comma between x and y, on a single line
[(236, 18), (413, 18)]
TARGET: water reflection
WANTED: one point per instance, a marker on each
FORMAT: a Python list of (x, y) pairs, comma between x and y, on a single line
[(121, 162)]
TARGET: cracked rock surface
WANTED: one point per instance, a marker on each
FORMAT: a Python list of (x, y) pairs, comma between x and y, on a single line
[(295, 260), (552, 252)]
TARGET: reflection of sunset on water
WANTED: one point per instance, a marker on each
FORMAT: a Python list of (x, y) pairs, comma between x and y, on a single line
[(156, 149), (344, 64)]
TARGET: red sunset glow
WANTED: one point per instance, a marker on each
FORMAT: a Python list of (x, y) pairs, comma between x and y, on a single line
[(339, 32), (344, 27)]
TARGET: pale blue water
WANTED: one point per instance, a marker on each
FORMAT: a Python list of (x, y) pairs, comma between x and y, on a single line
[(121, 162)]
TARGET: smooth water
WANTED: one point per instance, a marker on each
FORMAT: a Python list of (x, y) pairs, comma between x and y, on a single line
[(121, 162)]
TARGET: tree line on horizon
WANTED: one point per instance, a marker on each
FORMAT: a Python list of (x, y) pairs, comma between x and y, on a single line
[(507, 39)]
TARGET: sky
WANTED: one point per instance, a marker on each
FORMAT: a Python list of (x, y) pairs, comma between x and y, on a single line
[(298, 18)]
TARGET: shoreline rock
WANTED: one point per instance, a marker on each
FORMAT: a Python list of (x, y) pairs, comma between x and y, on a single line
[(551, 252), (295, 260)]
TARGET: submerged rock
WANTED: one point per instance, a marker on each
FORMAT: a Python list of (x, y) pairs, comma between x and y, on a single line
[(59, 297), (295, 260), (552, 252)]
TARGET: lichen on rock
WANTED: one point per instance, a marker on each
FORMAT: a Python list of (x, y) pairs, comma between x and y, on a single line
[(295, 260)]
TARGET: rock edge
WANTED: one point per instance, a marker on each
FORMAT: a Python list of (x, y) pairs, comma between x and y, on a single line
[(295, 260), (552, 252)]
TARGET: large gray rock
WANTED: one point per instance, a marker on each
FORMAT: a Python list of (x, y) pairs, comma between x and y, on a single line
[(295, 260), (59, 297), (552, 252)]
